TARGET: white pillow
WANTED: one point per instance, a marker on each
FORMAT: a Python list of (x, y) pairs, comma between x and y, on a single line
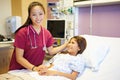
[(95, 51)]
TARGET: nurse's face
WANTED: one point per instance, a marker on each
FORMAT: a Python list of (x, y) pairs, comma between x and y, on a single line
[(37, 15), (72, 47)]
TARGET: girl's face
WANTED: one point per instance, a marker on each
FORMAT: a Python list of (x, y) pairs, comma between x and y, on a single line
[(72, 47), (37, 15)]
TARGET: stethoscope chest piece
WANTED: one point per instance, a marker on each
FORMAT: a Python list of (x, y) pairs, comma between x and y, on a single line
[(45, 49)]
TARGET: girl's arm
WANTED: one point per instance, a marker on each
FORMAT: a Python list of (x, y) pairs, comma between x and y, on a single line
[(71, 76)]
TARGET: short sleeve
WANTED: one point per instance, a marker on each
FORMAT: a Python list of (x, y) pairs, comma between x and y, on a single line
[(77, 64), (48, 38), (20, 38)]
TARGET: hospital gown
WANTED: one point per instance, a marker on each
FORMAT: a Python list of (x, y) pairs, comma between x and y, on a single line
[(67, 63)]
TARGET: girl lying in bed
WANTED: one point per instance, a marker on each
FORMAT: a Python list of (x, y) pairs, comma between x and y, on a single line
[(72, 63)]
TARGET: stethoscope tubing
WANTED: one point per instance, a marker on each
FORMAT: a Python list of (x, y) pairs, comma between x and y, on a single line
[(29, 27), (33, 47)]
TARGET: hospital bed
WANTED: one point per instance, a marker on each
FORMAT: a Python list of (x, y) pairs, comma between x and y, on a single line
[(102, 62)]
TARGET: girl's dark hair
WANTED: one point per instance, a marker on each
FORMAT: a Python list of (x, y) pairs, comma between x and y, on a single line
[(81, 41), (28, 21)]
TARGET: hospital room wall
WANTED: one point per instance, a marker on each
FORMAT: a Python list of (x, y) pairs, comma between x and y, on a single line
[(5, 11), (105, 20)]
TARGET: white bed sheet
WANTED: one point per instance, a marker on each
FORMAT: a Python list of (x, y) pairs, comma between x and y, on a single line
[(30, 75), (38, 77), (110, 67)]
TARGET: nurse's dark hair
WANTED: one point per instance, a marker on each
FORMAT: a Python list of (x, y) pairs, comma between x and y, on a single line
[(28, 21), (81, 41)]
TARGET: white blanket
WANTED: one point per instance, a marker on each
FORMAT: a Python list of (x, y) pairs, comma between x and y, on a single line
[(26, 74)]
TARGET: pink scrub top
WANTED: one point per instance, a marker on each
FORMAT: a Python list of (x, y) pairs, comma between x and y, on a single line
[(23, 39)]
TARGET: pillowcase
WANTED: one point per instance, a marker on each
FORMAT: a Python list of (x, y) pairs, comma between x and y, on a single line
[(95, 51)]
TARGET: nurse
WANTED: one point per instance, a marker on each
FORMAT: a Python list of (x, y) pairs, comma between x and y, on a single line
[(32, 40)]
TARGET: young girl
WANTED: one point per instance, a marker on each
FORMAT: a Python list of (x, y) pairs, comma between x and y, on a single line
[(71, 64)]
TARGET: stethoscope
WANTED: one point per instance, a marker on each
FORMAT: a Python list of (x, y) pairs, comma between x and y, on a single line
[(35, 46)]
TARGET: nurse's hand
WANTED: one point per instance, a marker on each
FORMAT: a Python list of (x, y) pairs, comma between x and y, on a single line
[(42, 69)]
